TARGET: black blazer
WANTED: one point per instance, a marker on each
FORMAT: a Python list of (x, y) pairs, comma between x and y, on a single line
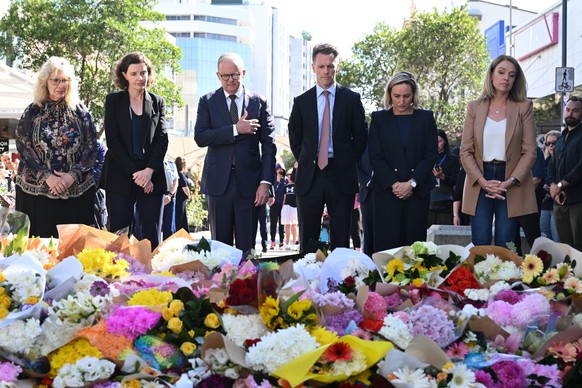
[(119, 165), (214, 130), (390, 163), (349, 134)]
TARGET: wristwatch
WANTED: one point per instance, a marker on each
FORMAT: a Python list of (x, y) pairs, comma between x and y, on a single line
[(513, 180), (413, 183), (560, 185)]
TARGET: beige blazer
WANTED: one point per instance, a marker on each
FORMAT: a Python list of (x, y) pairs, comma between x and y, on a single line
[(520, 153)]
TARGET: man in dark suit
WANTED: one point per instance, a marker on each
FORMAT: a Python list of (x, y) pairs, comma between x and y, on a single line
[(330, 118), (237, 127), (366, 202)]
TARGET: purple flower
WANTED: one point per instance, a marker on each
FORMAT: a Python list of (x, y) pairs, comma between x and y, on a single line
[(509, 374), (332, 285), (509, 296), (433, 323), (484, 378), (135, 267), (500, 312), (9, 372), (340, 322), (99, 288), (215, 381), (393, 301)]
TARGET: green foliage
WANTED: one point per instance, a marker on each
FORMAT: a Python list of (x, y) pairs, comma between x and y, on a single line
[(92, 34), (18, 244), (445, 51), (196, 211), (288, 160), (203, 245)]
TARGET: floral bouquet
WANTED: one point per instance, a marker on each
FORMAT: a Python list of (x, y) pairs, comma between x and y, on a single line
[(85, 371), (279, 314), (333, 362), (343, 263), (22, 285), (492, 263), (557, 253), (460, 280), (558, 279)]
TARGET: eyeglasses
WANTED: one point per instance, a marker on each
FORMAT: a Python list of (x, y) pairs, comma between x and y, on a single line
[(550, 143), (234, 76), (57, 82)]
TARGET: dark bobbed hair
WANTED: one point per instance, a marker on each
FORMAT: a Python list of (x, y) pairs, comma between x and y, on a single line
[(180, 165), (134, 58), (442, 134)]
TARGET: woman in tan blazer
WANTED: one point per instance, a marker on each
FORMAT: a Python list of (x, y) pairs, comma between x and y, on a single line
[(498, 150)]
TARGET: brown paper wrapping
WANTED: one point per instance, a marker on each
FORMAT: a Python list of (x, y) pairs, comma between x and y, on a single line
[(488, 327), (216, 340), (503, 253), (179, 233)]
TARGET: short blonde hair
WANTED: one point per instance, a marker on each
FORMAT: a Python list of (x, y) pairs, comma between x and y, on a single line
[(53, 64), (402, 77)]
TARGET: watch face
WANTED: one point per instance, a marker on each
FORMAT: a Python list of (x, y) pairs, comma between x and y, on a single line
[(560, 185), (413, 184)]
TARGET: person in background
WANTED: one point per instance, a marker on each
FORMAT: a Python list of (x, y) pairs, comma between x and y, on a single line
[(57, 144), (356, 225), (134, 178), (565, 176), (403, 151), (100, 203), (276, 205), (182, 196), (498, 150), (289, 214), (239, 169), (169, 212), (547, 221), (327, 135), (445, 173)]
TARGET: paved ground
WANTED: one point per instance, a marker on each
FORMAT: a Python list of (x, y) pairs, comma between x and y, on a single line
[(270, 254)]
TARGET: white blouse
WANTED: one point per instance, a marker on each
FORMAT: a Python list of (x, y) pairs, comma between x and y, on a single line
[(494, 140)]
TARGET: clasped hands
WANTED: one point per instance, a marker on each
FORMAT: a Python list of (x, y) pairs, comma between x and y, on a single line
[(143, 178), (58, 182), (247, 127), (402, 190), (557, 194), (494, 189)]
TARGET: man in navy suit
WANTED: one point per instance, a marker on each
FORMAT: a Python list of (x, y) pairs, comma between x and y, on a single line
[(237, 127), (333, 114)]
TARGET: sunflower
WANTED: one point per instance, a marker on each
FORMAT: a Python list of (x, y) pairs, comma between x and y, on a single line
[(394, 266), (532, 265)]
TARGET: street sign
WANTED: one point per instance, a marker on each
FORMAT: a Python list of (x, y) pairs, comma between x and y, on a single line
[(4, 145), (564, 79)]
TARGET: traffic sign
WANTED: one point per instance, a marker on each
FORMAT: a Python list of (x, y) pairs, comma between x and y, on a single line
[(564, 79)]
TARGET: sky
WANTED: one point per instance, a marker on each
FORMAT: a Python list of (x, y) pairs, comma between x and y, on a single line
[(349, 21)]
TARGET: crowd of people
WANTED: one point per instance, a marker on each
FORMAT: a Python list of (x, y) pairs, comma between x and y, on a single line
[(371, 188)]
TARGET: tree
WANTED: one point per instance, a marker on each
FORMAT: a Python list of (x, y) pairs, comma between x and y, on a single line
[(445, 51), (93, 35)]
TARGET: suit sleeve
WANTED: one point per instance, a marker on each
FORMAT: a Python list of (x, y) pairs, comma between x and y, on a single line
[(383, 174), (423, 169), (528, 155), (359, 127), (204, 134), (295, 128), (268, 147), (472, 171), (160, 139), (116, 146)]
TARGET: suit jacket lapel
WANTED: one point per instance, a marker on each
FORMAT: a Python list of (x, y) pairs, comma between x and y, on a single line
[(479, 126), (147, 115)]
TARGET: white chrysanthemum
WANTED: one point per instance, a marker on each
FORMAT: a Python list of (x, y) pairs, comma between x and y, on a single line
[(19, 336), (278, 348), (470, 310), (239, 328), (508, 270), (41, 255), (348, 368), (477, 294), (309, 267), (463, 377), (172, 252), (24, 284), (496, 288), (395, 330), (216, 357), (432, 248), (407, 377)]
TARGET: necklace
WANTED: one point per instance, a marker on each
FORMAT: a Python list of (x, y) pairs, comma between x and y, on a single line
[(499, 108)]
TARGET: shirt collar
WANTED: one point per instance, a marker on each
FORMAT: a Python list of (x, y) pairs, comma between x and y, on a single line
[(320, 90), (239, 93)]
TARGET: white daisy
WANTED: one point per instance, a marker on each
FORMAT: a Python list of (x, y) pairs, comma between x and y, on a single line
[(410, 378), (463, 377)]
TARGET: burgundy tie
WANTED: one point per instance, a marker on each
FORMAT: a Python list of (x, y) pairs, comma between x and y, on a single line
[(325, 129), (233, 109)]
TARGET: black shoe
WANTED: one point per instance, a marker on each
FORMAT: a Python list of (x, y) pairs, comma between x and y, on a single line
[(264, 249)]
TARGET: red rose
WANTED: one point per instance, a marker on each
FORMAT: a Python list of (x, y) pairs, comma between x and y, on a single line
[(371, 325), (350, 281), (246, 296)]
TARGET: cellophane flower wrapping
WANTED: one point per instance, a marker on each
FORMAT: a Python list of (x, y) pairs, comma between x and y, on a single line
[(300, 369)]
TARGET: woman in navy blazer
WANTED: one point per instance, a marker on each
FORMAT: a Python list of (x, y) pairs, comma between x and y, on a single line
[(403, 150), (135, 128)]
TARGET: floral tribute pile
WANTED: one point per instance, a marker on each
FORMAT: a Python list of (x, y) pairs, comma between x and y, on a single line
[(98, 312)]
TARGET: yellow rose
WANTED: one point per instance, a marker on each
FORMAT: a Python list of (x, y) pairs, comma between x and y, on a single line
[(188, 348), (5, 301), (192, 333), (418, 282), (212, 321), (2, 277), (175, 325), (31, 300), (176, 306), (166, 313), (3, 312), (1, 290)]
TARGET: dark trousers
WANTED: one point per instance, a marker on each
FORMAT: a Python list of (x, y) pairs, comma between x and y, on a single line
[(148, 207), (260, 215), (230, 216), (367, 209), (274, 219), (324, 191), (397, 222), (46, 213), (531, 228), (168, 220), (356, 228)]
